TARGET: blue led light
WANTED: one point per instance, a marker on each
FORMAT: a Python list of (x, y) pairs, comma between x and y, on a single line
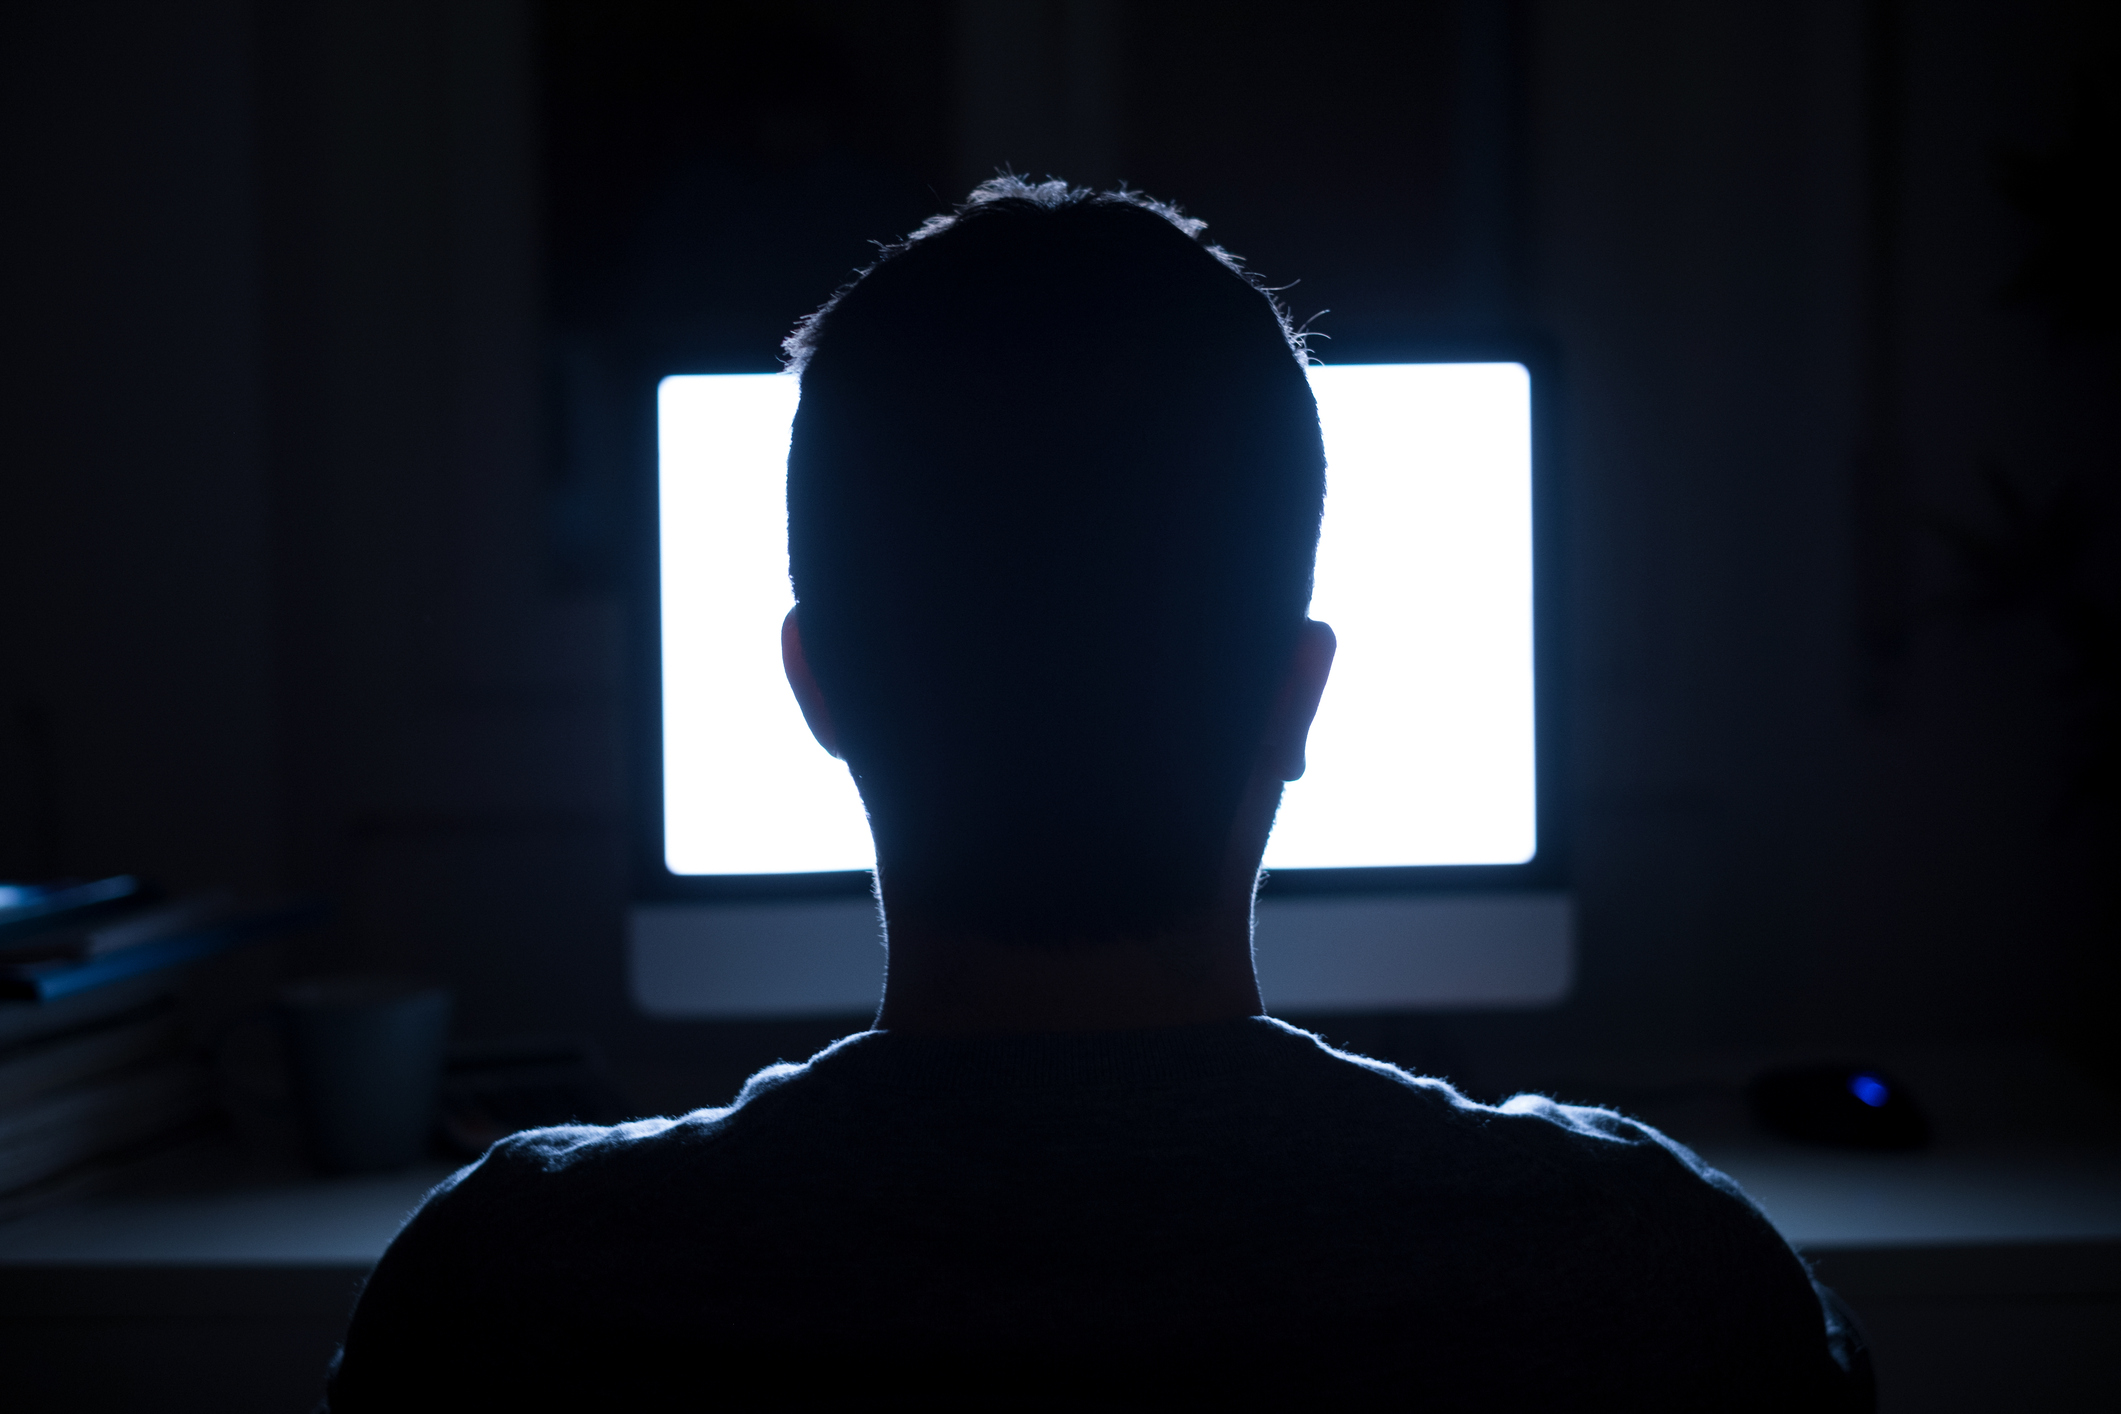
[(1869, 1089)]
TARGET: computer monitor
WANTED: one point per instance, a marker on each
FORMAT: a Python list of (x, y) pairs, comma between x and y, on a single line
[(1414, 864)]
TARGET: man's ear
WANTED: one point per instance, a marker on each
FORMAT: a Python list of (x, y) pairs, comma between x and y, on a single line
[(1297, 702), (800, 678)]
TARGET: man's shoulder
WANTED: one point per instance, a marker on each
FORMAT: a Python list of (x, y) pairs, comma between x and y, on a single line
[(1528, 1137), (1288, 1090), (549, 1168)]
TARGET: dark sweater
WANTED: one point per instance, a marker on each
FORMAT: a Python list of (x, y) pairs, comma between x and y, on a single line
[(1230, 1214)]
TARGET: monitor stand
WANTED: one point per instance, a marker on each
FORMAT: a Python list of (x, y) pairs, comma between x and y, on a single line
[(1321, 953)]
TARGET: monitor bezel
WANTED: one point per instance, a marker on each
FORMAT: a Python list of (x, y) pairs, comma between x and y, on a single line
[(654, 882)]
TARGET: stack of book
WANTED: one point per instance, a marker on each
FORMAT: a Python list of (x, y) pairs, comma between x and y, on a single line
[(93, 1060)]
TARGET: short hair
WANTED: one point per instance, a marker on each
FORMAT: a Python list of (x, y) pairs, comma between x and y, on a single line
[(1054, 491)]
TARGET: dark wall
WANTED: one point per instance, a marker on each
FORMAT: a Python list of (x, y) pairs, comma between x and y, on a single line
[(310, 582), (137, 684), (1820, 797)]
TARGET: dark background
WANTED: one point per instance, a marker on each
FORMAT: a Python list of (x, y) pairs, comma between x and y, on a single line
[(320, 322)]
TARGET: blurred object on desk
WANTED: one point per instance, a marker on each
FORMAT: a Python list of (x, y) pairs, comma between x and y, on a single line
[(95, 1065), (494, 1090), (367, 1054), (59, 954), (1846, 1106)]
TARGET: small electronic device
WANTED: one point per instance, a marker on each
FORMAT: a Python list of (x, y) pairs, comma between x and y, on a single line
[(1849, 1106)]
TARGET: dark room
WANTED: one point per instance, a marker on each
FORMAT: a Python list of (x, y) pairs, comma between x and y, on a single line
[(1060, 704)]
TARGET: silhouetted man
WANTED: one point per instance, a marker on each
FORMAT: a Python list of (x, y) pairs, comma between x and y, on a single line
[(1054, 492)]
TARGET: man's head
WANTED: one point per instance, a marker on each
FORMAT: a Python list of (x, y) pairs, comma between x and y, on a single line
[(1053, 499)]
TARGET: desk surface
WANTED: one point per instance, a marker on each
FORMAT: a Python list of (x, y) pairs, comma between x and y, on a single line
[(270, 1222)]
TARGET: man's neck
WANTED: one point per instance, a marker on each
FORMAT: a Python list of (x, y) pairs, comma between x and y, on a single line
[(945, 981)]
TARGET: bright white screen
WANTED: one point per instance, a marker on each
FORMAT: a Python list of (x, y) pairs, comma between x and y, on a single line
[(1423, 748)]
